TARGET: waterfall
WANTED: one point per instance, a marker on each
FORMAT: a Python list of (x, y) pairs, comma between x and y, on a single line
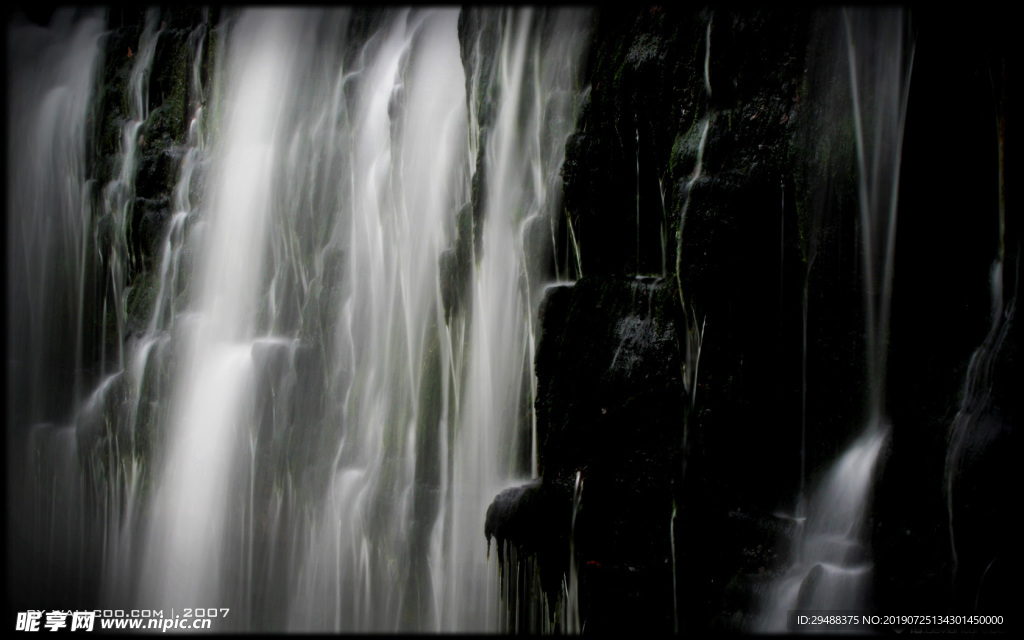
[(306, 429), (533, 77), (189, 509), (831, 567), (298, 320), (48, 253), (52, 276), (119, 193)]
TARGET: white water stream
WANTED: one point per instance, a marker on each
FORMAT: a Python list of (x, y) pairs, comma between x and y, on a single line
[(298, 433)]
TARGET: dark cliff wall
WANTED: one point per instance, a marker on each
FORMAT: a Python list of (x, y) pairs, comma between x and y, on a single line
[(770, 218), (633, 166)]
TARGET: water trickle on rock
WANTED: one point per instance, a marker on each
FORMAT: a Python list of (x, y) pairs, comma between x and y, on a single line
[(830, 565)]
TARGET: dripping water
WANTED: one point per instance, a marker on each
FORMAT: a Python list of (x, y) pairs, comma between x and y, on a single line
[(830, 566), (571, 608), (694, 334), (636, 271)]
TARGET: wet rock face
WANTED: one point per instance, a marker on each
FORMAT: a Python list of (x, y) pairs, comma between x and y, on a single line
[(606, 343), (610, 401), (643, 117), (509, 516), (770, 246), (160, 142), (610, 396)]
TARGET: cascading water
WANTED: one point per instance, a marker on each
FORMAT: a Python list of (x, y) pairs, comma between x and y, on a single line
[(51, 303), (189, 515), (831, 567), (303, 431), (520, 206), (366, 566), (119, 193)]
